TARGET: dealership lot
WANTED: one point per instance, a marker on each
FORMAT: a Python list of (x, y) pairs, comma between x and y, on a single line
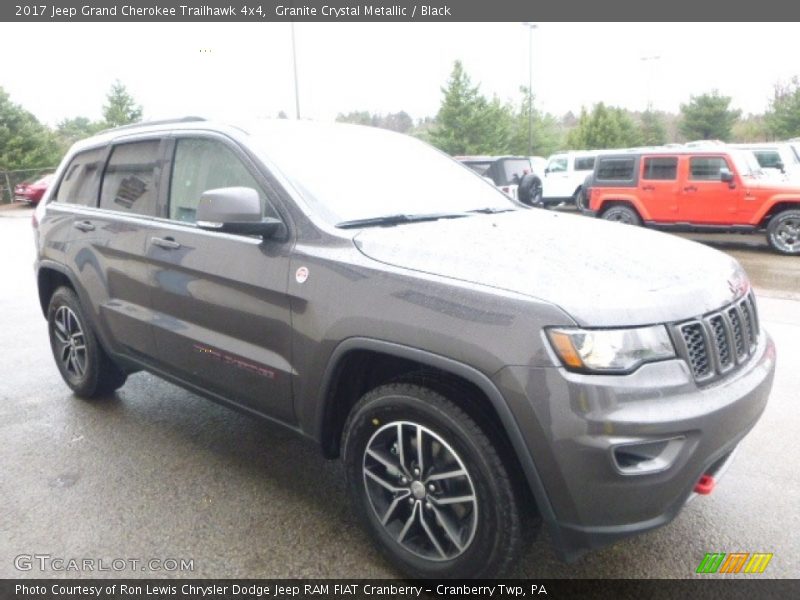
[(159, 473)]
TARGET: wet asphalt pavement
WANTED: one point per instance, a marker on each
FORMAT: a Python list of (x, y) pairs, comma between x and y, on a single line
[(156, 472)]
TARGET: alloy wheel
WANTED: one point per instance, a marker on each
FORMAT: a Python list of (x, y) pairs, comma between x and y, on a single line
[(420, 491), (787, 235), (620, 217), (70, 342)]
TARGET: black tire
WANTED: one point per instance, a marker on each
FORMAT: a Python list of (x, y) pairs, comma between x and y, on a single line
[(579, 198), (783, 232), (82, 362), (536, 193), (622, 214), (485, 534)]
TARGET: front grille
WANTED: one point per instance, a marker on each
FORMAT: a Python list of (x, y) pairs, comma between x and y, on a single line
[(718, 343), (696, 347), (721, 341)]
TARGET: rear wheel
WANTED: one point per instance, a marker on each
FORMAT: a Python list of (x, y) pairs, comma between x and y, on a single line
[(783, 232), (84, 365), (622, 214), (430, 486)]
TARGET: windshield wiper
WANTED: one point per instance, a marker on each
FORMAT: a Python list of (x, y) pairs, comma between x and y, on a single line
[(491, 211), (399, 219)]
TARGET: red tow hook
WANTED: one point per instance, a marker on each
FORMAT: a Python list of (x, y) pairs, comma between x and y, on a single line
[(705, 485)]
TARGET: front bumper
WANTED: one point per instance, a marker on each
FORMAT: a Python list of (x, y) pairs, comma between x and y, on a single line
[(574, 426)]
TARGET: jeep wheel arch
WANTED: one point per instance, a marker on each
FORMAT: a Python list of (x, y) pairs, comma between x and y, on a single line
[(612, 204), (328, 433)]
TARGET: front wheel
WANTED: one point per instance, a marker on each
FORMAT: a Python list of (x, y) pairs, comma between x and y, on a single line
[(430, 486), (783, 232), (622, 214)]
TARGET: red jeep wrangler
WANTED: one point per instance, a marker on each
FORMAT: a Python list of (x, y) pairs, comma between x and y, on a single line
[(719, 190)]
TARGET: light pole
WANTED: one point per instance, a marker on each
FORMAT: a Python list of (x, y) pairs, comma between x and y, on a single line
[(296, 87), (531, 27), (649, 60)]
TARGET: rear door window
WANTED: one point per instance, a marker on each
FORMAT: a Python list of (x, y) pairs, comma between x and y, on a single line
[(706, 168), (660, 168), (768, 159), (81, 181), (131, 178), (584, 163), (615, 169)]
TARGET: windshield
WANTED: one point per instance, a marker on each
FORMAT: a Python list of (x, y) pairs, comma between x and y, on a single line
[(349, 173), (746, 163)]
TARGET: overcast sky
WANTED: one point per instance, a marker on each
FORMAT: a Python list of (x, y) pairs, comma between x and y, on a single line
[(59, 70)]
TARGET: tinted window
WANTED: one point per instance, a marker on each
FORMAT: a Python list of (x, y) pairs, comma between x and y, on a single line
[(129, 182), (664, 167), (81, 182), (706, 167), (768, 159), (557, 165), (584, 163), (514, 170), (481, 168), (615, 169), (202, 165)]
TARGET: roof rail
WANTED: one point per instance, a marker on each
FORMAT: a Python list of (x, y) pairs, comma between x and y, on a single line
[(189, 119)]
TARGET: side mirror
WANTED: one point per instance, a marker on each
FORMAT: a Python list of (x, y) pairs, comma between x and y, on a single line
[(726, 175), (236, 210), (546, 170), (780, 165)]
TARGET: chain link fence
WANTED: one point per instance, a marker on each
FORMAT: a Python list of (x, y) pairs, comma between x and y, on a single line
[(9, 179)]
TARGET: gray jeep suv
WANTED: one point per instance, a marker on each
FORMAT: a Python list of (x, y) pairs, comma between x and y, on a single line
[(481, 367)]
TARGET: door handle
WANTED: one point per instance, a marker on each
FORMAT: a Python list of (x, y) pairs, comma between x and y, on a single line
[(167, 243), (648, 188), (690, 188), (84, 225)]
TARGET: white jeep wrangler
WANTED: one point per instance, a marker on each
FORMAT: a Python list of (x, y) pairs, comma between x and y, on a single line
[(564, 176)]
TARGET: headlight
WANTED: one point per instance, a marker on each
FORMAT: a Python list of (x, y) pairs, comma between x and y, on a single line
[(610, 350)]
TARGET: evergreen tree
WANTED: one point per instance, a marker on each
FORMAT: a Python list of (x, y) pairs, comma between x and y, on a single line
[(652, 131), (121, 108), (708, 117), (783, 116), (605, 127), (546, 130), (468, 123)]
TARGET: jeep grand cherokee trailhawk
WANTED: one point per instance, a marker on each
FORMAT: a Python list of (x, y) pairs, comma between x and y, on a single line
[(476, 372)]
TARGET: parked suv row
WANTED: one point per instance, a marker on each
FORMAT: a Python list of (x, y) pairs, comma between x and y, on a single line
[(714, 190), (476, 372)]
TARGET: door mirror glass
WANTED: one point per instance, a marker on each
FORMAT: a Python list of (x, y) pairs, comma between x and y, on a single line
[(725, 175), (236, 210)]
